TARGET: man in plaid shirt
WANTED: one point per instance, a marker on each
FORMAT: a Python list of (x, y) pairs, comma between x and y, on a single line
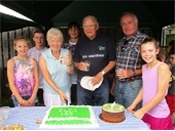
[(128, 80)]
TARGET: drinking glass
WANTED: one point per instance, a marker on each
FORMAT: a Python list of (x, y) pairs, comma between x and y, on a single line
[(5, 112), (88, 65)]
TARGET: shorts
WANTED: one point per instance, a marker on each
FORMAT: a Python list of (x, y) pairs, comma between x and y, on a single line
[(171, 103), (158, 123)]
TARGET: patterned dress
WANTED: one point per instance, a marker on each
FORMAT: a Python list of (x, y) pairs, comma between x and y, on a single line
[(24, 76)]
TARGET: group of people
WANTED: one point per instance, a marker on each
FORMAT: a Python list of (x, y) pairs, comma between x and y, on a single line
[(140, 82)]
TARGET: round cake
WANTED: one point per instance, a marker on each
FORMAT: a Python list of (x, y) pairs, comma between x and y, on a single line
[(113, 112)]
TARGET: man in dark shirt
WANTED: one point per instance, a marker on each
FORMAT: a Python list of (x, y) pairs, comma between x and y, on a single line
[(100, 52)]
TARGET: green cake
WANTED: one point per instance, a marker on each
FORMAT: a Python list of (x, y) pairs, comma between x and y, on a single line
[(69, 116)]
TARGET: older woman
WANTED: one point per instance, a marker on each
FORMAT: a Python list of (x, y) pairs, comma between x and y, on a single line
[(56, 66)]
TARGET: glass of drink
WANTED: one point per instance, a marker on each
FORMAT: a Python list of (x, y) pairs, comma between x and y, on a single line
[(88, 65), (5, 112)]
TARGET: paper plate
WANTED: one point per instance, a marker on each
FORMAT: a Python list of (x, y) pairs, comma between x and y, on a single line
[(86, 83)]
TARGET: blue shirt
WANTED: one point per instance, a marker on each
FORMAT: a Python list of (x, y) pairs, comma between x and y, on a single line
[(57, 71)]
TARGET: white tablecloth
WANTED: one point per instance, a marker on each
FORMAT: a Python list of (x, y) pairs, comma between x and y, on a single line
[(27, 117)]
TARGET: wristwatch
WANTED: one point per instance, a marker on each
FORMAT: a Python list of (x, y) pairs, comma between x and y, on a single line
[(102, 72)]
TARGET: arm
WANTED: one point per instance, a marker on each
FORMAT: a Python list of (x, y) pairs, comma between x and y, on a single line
[(98, 77), (80, 65), (138, 71), (36, 76), (47, 77), (11, 79), (163, 82), (69, 64), (110, 66), (129, 73)]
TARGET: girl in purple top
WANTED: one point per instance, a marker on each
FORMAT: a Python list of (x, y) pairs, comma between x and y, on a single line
[(156, 76), (22, 72)]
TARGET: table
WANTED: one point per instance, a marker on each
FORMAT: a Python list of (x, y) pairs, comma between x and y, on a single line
[(27, 117)]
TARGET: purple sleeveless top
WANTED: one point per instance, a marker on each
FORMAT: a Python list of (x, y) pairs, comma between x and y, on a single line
[(24, 76), (150, 79)]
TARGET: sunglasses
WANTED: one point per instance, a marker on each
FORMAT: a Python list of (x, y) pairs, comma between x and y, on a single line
[(123, 47)]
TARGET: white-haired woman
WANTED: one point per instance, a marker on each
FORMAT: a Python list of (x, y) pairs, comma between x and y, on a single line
[(56, 66)]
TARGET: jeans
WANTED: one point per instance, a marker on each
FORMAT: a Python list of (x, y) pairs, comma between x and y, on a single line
[(15, 101), (126, 92), (97, 97)]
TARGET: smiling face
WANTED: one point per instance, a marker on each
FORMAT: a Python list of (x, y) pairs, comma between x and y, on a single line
[(90, 27), (74, 32), (21, 46), (55, 39), (55, 43), (38, 38), (149, 52), (129, 24)]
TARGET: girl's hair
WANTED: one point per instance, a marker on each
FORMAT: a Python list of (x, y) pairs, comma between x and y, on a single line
[(150, 39), (156, 43), (19, 39), (161, 55), (55, 32)]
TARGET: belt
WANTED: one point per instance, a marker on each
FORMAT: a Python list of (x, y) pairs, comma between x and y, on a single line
[(132, 79)]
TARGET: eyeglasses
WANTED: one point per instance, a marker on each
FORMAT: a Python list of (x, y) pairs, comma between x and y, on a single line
[(123, 47)]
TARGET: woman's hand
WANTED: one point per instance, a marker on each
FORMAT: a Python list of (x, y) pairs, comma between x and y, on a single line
[(63, 97), (68, 60)]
